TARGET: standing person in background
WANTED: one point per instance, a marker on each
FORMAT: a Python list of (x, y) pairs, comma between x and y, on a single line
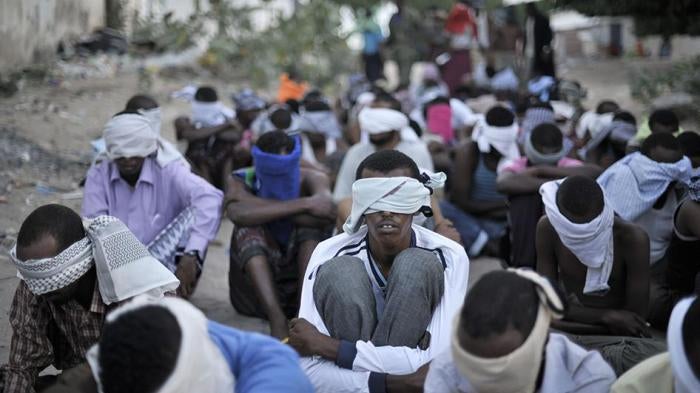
[(538, 42), (462, 29), (371, 51), (405, 27)]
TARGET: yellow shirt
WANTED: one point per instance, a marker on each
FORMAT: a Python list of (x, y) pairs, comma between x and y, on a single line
[(653, 375)]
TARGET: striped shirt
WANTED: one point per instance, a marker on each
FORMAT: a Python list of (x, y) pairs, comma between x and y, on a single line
[(45, 334)]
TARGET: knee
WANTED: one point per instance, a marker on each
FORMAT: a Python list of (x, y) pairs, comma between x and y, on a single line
[(343, 275), (419, 262)]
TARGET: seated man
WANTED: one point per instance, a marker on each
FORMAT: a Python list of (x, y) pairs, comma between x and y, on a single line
[(170, 346), (495, 329), (211, 134), (675, 371), (148, 107), (70, 276), (603, 264), (280, 213), (476, 208), (683, 269), (387, 129), (379, 299), (520, 179), (166, 206), (395, 163), (642, 188)]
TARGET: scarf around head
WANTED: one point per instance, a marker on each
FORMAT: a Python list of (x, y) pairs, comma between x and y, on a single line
[(590, 242), (380, 120), (124, 266), (138, 135), (535, 157), (200, 366), (503, 139), (210, 114), (402, 195), (634, 183), (321, 122), (517, 371), (279, 177), (685, 380), (617, 130)]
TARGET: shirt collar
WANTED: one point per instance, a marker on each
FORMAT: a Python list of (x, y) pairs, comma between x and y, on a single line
[(147, 172)]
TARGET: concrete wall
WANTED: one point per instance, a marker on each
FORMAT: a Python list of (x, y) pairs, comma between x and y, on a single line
[(31, 29)]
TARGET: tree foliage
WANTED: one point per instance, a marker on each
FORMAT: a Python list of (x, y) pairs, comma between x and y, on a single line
[(663, 17), (308, 40)]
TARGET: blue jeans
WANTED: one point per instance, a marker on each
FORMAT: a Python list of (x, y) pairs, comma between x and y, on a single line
[(475, 231)]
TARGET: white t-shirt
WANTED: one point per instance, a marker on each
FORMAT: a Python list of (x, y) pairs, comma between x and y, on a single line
[(325, 375)]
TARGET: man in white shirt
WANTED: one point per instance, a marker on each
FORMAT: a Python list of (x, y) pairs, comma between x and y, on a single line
[(501, 343), (388, 129), (378, 300)]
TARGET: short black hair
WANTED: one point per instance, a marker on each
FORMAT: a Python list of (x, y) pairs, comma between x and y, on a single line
[(499, 300), (664, 140), (281, 118), (293, 105), (206, 94), (274, 142), (580, 197), (499, 116), (626, 117), (691, 338), (547, 135), (690, 143), (57, 221), (140, 101), (606, 106), (665, 117), (139, 350), (385, 161)]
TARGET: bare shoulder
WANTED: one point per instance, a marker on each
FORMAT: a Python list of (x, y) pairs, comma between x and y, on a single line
[(630, 234), (544, 226)]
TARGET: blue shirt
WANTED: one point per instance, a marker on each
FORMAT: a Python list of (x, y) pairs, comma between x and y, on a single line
[(259, 363)]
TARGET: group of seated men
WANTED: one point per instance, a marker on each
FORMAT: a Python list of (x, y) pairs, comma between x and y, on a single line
[(359, 257)]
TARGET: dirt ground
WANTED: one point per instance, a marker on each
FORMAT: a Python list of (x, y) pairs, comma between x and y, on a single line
[(44, 152)]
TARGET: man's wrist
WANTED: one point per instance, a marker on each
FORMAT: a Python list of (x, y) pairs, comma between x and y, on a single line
[(326, 347)]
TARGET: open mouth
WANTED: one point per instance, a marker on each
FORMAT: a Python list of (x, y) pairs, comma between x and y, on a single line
[(387, 227)]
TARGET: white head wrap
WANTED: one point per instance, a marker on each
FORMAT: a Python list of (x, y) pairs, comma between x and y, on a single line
[(591, 242), (503, 139), (517, 371), (200, 366), (136, 135), (592, 123), (634, 183), (685, 380), (380, 120), (124, 266), (210, 114), (262, 124), (403, 195)]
